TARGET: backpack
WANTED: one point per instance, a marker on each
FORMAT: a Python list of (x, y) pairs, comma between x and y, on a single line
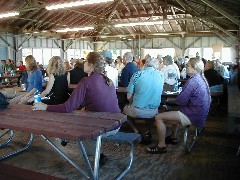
[(3, 101)]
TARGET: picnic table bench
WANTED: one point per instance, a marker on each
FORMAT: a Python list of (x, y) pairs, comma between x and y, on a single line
[(76, 126)]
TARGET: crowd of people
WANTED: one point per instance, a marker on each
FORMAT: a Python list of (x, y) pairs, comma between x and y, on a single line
[(128, 85)]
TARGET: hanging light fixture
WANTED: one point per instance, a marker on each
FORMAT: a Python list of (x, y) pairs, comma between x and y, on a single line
[(9, 14), (146, 23), (75, 3), (75, 29)]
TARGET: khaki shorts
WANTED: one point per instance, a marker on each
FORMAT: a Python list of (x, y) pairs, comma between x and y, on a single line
[(184, 119)]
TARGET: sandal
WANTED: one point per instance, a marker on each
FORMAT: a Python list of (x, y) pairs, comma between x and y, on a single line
[(157, 150), (169, 140)]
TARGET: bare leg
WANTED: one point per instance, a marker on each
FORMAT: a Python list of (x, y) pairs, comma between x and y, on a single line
[(161, 131), (132, 125), (171, 117)]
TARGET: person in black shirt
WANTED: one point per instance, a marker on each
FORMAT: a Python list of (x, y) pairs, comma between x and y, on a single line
[(77, 73), (215, 80)]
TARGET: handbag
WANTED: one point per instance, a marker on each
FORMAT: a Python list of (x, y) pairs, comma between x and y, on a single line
[(3, 101)]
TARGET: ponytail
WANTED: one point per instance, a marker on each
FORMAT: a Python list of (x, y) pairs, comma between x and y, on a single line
[(205, 80)]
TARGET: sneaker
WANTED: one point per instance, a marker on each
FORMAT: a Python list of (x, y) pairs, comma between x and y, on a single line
[(169, 140), (103, 159), (156, 150)]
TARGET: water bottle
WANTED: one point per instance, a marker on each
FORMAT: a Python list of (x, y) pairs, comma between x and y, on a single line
[(37, 97), (11, 73), (176, 85)]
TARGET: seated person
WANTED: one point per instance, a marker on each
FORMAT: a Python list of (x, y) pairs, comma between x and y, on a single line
[(1, 70), (171, 73), (119, 65), (215, 80), (194, 101), (95, 93), (57, 86), (34, 82), (127, 72), (77, 73), (222, 70), (144, 94), (9, 67), (112, 72), (22, 79)]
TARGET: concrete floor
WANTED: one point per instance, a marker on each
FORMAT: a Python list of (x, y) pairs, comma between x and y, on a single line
[(213, 157)]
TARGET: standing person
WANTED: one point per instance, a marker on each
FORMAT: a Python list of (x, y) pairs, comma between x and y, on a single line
[(111, 72), (57, 86), (144, 94), (95, 92), (34, 81), (194, 101)]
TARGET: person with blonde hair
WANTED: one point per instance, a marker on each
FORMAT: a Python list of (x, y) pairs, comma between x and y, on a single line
[(194, 101), (57, 87), (95, 92), (34, 82)]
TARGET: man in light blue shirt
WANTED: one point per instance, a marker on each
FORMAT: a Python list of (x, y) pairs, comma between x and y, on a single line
[(144, 92)]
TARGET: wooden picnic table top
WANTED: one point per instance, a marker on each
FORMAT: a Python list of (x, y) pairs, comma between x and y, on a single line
[(78, 125)]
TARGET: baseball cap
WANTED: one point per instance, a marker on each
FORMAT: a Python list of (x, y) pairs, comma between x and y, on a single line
[(169, 59), (107, 55)]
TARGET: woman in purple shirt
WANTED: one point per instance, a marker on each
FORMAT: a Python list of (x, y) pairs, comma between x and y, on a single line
[(194, 101), (95, 93)]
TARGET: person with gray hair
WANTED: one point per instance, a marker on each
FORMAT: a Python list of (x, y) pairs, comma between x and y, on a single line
[(127, 72), (129, 69), (152, 62), (144, 94), (170, 71)]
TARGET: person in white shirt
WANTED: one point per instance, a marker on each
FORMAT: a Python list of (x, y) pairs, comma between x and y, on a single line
[(170, 72), (112, 72)]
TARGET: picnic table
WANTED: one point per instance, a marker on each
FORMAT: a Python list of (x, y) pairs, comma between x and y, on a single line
[(76, 126)]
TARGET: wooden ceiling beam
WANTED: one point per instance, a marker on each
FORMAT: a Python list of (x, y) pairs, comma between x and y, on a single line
[(114, 9), (221, 11)]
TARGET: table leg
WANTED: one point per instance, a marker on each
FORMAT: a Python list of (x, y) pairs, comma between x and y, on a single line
[(20, 149), (11, 133), (97, 157), (65, 157), (85, 157)]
